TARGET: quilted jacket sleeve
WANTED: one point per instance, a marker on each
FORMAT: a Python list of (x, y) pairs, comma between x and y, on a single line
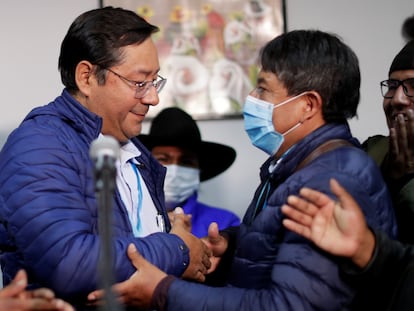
[(49, 213)]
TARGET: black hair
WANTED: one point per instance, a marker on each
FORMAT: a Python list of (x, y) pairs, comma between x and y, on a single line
[(407, 29), (404, 60), (98, 36), (312, 60)]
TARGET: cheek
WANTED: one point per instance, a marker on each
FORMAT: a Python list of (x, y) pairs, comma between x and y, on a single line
[(385, 103), (114, 111), (386, 106), (285, 117), (118, 104)]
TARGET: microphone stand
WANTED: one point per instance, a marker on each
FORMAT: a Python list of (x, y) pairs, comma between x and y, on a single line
[(104, 187)]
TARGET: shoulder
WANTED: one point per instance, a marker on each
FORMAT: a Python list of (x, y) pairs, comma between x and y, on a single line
[(377, 147), (374, 140)]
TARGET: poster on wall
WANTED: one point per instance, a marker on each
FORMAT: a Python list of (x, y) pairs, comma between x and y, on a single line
[(208, 50)]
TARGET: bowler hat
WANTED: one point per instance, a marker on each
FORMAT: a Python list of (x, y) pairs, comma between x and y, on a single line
[(174, 127)]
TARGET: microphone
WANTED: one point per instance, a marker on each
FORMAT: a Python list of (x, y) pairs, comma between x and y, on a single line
[(104, 152)]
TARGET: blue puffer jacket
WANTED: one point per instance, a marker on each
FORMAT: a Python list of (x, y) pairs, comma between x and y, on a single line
[(275, 269), (49, 210)]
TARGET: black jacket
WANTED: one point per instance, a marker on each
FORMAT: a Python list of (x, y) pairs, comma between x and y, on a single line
[(389, 276)]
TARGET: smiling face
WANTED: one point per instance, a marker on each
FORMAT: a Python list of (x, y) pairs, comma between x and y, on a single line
[(399, 103), (115, 100)]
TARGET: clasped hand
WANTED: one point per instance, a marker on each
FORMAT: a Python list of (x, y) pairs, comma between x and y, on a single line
[(138, 290)]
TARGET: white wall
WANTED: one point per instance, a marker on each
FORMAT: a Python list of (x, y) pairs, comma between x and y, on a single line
[(31, 32)]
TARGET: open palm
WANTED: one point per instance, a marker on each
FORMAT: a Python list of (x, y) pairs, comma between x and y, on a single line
[(337, 227)]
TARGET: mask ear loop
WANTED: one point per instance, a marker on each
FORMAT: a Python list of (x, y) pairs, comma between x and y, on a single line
[(289, 100), (292, 128), (300, 122)]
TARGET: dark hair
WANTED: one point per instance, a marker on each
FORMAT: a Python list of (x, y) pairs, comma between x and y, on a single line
[(404, 60), (407, 28), (312, 60), (98, 37)]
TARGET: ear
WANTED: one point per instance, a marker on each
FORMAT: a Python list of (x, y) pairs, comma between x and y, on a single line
[(84, 77), (313, 106)]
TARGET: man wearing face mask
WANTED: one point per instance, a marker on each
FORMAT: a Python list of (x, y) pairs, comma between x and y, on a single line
[(175, 141), (307, 89)]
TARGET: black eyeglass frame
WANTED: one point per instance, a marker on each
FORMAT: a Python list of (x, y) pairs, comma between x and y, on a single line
[(388, 91)]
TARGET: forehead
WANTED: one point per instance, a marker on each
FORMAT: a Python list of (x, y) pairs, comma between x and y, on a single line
[(269, 79), (140, 58), (402, 74), (172, 151), (266, 77)]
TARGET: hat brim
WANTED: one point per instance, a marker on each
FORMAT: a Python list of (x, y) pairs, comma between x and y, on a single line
[(214, 158)]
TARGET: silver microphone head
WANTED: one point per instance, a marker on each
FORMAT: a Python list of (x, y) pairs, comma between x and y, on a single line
[(102, 148)]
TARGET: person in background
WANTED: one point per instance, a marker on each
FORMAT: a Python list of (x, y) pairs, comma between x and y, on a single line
[(175, 141), (394, 154), (307, 89), (109, 66), (339, 227), (15, 297)]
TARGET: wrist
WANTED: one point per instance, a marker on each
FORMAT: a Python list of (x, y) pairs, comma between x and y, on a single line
[(365, 250), (160, 295)]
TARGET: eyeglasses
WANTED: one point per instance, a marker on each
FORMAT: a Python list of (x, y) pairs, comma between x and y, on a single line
[(142, 88), (389, 87)]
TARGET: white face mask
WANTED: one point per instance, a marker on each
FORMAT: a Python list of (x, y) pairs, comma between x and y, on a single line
[(180, 183)]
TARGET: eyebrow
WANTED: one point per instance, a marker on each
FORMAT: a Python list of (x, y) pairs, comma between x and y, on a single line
[(262, 82), (147, 72)]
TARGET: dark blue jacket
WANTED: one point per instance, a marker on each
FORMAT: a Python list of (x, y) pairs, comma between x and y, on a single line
[(49, 209), (275, 269)]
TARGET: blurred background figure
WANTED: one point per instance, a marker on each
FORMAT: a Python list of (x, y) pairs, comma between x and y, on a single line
[(16, 297), (407, 29), (175, 141), (394, 153)]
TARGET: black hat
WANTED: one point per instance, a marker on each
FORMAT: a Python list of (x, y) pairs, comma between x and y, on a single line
[(174, 127), (404, 60)]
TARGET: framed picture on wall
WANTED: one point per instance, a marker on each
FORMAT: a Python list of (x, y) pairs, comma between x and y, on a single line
[(208, 50)]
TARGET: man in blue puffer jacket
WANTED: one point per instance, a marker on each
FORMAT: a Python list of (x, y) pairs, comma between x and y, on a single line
[(49, 215), (306, 90)]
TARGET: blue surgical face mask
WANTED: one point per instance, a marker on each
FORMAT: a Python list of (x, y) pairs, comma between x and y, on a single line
[(258, 123)]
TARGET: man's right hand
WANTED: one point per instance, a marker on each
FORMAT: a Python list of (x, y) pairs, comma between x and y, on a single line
[(199, 252), (337, 227), (217, 243), (400, 161)]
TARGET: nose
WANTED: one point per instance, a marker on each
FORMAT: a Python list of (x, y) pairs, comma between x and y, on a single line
[(399, 97), (253, 92), (151, 97)]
